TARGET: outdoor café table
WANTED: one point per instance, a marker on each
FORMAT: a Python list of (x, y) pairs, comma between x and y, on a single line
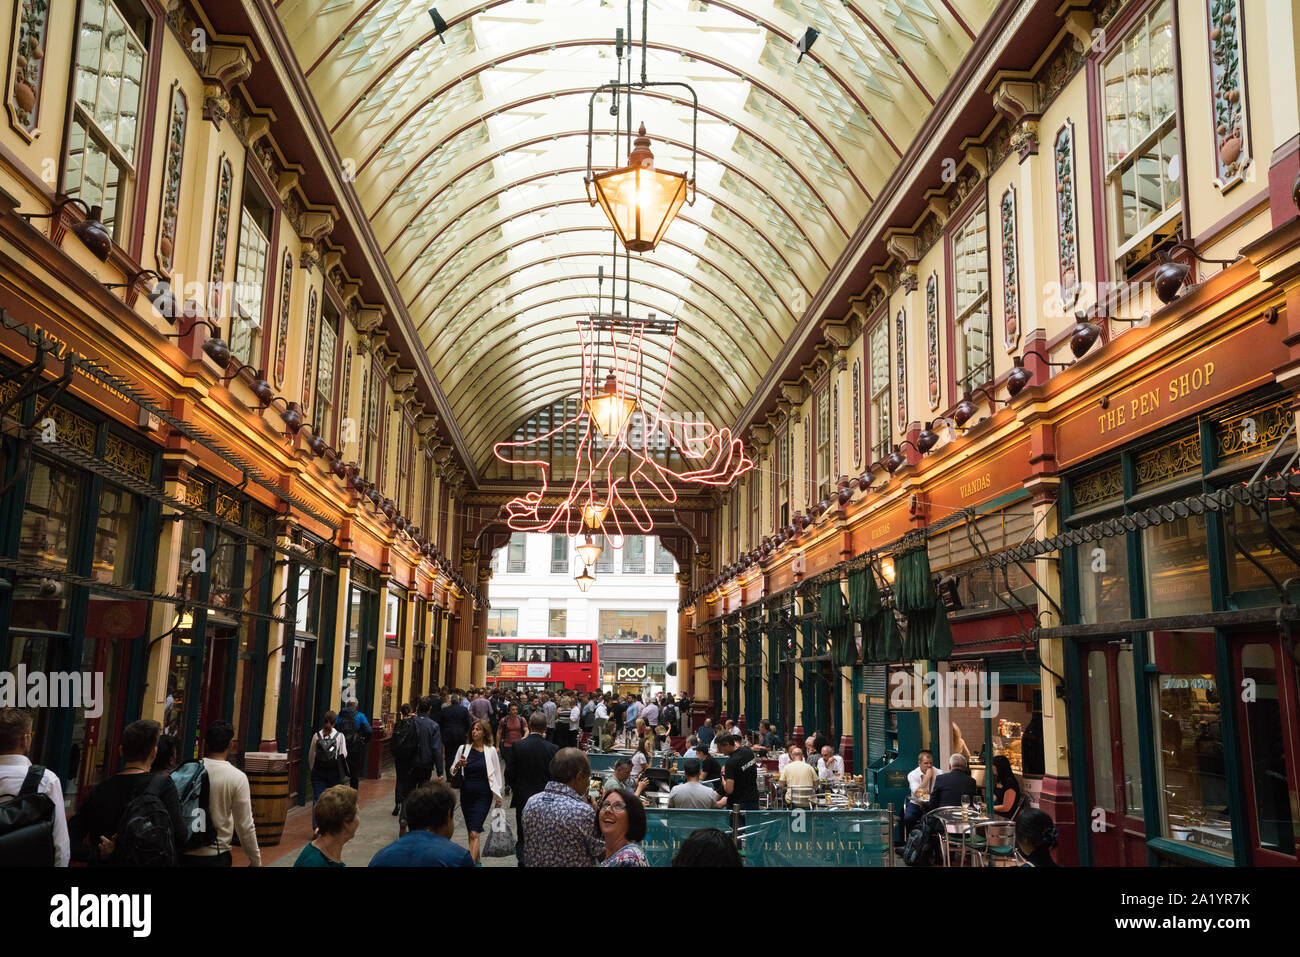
[(956, 823)]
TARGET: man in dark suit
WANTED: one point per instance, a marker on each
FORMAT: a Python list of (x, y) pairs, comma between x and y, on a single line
[(949, 788), (532, 769), (454, 722)]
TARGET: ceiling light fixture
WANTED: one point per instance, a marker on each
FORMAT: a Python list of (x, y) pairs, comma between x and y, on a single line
[(589, 551), (639, 200), (584, 579)]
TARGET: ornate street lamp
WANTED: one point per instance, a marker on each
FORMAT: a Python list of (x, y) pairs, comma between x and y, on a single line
[(610, 411), (640, 201), (585, 579), (589, 551)]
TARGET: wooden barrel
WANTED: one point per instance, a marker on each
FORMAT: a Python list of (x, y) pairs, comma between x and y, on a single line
[(269, 791)]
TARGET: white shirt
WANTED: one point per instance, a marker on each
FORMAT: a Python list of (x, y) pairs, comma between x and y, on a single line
[(651, 714), (231, 808), (914, 777), (602, 713), (13, 769), (574, 716), (827, 771), (782, 761)]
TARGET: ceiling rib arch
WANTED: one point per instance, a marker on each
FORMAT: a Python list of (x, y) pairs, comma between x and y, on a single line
[(448, 327), (684, 328), (457, 278)]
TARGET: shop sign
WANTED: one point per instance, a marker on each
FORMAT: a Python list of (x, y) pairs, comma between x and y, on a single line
[(665, 831), (983, 483), (630, 673), (524, 670), (881, 528), (66, 340), (1224, 368)]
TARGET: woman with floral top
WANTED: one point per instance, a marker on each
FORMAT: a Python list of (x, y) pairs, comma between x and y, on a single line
[(620, 820)]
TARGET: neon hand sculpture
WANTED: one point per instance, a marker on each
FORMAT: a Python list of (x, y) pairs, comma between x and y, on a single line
[(615, 473)]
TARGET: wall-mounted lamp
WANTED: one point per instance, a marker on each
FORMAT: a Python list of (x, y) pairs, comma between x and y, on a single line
[(91, 230), (1171, 274)]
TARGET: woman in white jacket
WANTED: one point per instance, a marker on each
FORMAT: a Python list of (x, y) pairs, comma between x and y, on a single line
[(480, 765)]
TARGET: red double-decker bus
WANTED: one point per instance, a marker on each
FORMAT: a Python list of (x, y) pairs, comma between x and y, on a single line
[(544, 664)]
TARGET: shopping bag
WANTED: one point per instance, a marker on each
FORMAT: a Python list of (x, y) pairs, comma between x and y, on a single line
[(500, 839)]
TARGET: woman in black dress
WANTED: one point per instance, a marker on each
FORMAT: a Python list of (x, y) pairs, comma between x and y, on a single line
[(1008, 794), (480, 764)]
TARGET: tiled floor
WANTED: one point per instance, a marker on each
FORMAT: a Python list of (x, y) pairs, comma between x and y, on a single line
[(378, 829)]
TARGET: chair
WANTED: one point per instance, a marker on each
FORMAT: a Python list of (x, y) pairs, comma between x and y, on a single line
[(999, 840), (800, 795)]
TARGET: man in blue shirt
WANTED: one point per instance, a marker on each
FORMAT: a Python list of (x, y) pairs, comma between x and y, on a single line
[(429, 812), (356, 731), (633, 709)]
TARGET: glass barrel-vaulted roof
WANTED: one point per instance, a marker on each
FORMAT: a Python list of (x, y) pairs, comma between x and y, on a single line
[(469, 156)]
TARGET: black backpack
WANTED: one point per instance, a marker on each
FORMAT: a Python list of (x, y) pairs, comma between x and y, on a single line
[(144, 834), (669, 717), (347, 726), (27, 824), (193, 787), (327, 753), (923, 847), (406, 740)]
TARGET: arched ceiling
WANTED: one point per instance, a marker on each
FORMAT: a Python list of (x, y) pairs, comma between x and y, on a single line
[(468, 158)]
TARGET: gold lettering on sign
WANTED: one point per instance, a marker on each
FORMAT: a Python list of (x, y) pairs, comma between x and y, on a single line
[(978, 484), (880, 531), (1149, 401)]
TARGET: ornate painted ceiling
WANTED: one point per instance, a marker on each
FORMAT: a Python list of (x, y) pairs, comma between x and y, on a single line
[(469, 155)]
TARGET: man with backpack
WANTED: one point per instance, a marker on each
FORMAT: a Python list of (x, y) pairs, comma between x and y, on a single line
[(132, 819), (406, 748), (229, 810), (356, 731), (33, 824), (429, 755)]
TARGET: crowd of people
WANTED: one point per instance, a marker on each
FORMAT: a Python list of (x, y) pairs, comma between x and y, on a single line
[(492, 745)]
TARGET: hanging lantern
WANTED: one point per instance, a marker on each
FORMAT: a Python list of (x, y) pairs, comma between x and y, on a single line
[(589, 551), (640, 201), (584, 579), (610, 411), (593, 515)]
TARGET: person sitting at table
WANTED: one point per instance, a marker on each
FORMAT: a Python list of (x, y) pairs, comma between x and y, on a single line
[(797, 772), (811, 750), (691, 793), (949, 788), (920, 778), (1036, 836), (770, 740), (831, 765), (1007, 791), (621, 777)]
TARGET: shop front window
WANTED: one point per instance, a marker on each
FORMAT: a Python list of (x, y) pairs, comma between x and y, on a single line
[(46, 539), (1189, 741), (1245, 527), (633, 625), (1103, 580), (1177, 567)]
